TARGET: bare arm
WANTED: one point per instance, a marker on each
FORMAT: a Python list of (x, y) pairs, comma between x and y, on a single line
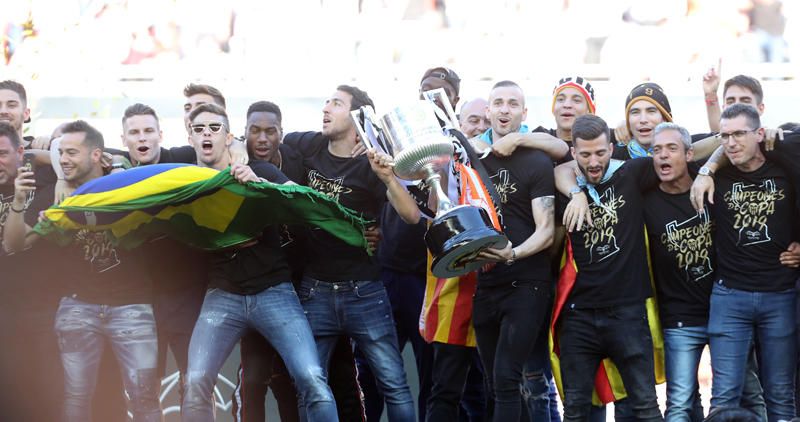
[(397, 194), (15, 231), (577, 211), (541, 239), (550, 145), (704, 148), (704, 185), (710, 87)]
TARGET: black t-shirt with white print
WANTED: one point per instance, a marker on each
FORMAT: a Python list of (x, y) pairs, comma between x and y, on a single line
[(755, 214), (352, 183), (524, 176), (252, 269), (683, 257), (610, 257)]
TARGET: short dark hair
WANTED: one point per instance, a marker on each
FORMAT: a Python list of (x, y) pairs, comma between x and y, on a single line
[(194, 89), (139, 109), (506, 83), (94, 139), (9, 132), (360, 98), (213, 109), (589, 127), (735, 110), (748, 82), (16, 87), (265, 107)]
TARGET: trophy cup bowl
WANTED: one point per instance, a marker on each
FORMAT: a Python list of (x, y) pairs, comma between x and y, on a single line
[(421, 151)]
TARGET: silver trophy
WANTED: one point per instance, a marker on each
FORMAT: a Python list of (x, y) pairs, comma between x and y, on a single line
[(413, 136)]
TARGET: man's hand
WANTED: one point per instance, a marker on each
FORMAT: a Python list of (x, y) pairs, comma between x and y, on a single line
[(622, 133), (577, 212), (770, 136), (358, 149), (238, 153), (497, 255), (382, 164), (711, 80), (791, 257), (243, 173), (106, 161), (702, 186), (41, 142), (506, 145), (23, 185), (373, 236)]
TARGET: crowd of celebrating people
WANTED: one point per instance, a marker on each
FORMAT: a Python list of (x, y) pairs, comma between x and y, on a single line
[(630, 250)]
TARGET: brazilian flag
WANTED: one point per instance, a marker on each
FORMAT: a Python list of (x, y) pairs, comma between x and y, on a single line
[(202, 207)]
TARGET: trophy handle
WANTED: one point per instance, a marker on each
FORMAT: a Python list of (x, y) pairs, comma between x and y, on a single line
[(445, 112), (370, 132)]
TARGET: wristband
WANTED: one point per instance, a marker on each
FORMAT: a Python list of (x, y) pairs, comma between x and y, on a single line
[(11, 207)]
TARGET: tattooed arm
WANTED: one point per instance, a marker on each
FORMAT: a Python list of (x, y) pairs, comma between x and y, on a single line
[(543, 209)]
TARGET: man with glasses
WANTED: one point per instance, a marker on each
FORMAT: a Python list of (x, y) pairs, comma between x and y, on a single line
[(753, 298), (249, 288)]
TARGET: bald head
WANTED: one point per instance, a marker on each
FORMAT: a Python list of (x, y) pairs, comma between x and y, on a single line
[(472, 117)]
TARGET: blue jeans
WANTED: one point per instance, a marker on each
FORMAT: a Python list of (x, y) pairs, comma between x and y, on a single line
[(406, 292), (82, 329), (360, 310), (277, 315), (683, 349), (738, 318)]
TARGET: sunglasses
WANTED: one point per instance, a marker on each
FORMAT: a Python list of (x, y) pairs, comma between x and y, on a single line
[(213, 127)]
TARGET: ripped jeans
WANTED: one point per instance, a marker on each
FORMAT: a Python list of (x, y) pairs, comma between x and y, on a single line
[(82, 330)]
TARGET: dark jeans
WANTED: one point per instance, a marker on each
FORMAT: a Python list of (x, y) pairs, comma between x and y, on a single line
[(507, 321), (458, 380), (406, 292), (262, 368), (622, 333), (176, 314), (538, 388)]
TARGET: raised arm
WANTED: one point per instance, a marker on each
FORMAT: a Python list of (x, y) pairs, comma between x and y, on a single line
[(15, 231), (397, 194), (710, 87)]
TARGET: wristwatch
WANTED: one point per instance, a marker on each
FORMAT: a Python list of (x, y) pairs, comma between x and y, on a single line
[(705, 171), (513, 257), (574, 191)]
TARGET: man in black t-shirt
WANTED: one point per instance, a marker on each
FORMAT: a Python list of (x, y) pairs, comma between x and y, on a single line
[(108, 298), (604, 314), (179, 287), (753, 298), (341, 290), (513, 297), (250, 288), (31, 386), (683, 262)]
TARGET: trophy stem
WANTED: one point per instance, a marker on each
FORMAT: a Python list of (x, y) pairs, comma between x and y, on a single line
[(434, 184)]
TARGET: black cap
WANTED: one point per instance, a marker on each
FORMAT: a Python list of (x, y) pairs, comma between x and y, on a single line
[(447, 74)]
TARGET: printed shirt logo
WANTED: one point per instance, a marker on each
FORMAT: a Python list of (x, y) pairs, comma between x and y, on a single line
[(98, 250), (330, 187), (503, 185), (753, 205), (690, 241), (600, 240)]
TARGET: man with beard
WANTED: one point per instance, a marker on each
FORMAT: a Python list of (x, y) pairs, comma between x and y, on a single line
[(597, 322), (108, 298)]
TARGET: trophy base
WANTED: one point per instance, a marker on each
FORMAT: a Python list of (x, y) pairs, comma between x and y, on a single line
[(457, 237)]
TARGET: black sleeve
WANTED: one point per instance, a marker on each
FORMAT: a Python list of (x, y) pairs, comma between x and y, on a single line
[(268, 171), (786, 154), (642, 170), (183, 154), (541, 176), (700, 136), (305, 143)]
